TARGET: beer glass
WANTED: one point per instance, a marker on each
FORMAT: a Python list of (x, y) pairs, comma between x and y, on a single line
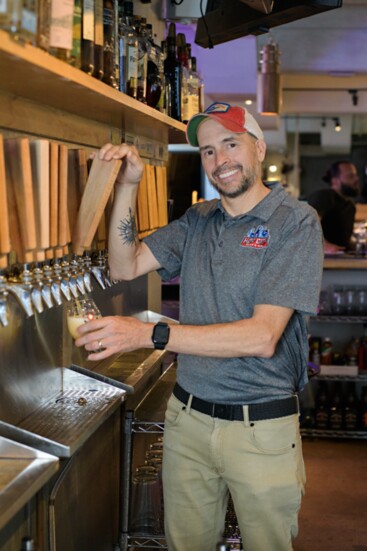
[(79, 311)]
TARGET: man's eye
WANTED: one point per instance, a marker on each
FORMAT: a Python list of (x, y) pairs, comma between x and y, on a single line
[(208, 153), (231, 145)]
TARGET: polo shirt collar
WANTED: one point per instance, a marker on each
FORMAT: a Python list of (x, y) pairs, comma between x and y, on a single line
[(266, 207)]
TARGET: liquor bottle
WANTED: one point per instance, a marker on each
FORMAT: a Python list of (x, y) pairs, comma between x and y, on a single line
[(363, 409), (128, 52), (142, 60), (75, 54), (61, 29), (362, 354), (351, 408), (87, 37), (154, 69), (109, 43), (322, 407), (326, 356), (352, 352), (336, 409), (183, 59), (10, 15), (172, 73), (26, 20), (200, 85), (98, 39)]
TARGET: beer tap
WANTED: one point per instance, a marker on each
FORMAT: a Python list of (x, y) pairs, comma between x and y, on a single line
[(99, 271), (52, 286), (3, 295), (22, 290), (76, 272), (107, 269), (87, 263), (42, 286), (61, 283), (65, 267), (36, 290)]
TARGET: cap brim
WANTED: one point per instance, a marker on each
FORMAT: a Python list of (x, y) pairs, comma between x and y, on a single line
[(191, 129)]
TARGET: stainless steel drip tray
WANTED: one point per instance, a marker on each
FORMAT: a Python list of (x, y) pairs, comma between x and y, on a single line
[(23, 472), (63, 422)]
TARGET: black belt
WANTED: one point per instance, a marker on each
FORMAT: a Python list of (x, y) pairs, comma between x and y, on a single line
[(257, 412)]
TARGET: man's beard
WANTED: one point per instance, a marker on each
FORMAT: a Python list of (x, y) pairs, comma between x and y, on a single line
[(349, 191), (247, 181)]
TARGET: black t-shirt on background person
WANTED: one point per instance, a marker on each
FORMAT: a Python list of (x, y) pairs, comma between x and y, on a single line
[(337, 215)]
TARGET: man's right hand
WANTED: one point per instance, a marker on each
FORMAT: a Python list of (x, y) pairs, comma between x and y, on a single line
[(132, 167)]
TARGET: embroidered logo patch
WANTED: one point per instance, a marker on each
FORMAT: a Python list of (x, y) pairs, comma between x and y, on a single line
[(258, 238)]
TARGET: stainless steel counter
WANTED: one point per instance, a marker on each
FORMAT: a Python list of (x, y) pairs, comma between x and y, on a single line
[(23, 472)]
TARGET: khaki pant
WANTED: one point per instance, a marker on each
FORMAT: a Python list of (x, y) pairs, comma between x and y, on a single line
[(261, 465)]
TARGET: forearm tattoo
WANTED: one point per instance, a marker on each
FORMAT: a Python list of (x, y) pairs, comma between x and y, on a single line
[(127, 229)]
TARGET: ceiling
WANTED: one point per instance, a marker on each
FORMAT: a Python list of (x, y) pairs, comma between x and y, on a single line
[(322, 58)]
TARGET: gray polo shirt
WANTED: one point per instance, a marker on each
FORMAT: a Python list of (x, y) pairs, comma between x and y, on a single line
[(270, 255)]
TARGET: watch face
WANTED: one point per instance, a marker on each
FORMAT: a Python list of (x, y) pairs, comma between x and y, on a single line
[(160, 335)]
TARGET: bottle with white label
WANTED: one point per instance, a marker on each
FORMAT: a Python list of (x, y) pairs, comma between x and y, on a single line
[(61, 28)]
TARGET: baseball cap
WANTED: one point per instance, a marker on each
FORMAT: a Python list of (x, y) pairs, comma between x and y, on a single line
[(234, 118)]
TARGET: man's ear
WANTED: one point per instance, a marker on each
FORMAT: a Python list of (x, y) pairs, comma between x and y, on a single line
[(261, 150)]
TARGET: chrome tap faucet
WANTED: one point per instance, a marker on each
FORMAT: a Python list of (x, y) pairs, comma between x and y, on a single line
[(21, 288), (3, 295), (43, 286), (65, 267), (99, 271), (87, 263), (61, 283), (77, 273), (36, 290), (52, 284)]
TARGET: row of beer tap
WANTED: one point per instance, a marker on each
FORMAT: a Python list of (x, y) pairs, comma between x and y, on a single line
[(41, 286)]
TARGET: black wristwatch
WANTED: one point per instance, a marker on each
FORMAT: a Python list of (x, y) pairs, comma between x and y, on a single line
[(160, 335)]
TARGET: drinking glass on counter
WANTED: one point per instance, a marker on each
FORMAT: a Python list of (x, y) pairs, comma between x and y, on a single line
[(79, 311)]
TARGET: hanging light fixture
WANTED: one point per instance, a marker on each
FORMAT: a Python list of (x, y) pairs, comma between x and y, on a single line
[(338, 126), (269, 92)]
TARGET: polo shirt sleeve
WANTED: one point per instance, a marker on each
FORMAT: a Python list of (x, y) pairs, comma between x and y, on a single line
[(167, 245), (292, 269)]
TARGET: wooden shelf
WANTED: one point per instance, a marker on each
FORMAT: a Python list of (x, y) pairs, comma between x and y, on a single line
[(33, 74)]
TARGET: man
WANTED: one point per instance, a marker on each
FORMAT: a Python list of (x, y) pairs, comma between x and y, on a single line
[(250, 266), (335, 205)]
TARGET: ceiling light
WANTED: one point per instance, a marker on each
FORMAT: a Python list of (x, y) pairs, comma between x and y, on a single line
[(338, 126), (273, 168), (248, 102), (269, 91)]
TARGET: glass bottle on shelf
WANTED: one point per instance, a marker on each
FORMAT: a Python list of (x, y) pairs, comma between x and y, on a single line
[(351, 408), (128, 52), (172, 73), (27, 22), (363, 409), (142, 60), (98, 39), (87, 37), (10, 15), (362, 354), (109, 43), (75, 54), (43, 24), (322, 407), (154, 69), (200, 85), (336, 409), (61, 29), (183, 59)]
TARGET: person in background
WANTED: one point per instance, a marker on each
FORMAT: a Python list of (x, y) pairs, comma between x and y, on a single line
[(250, 266), (336, 205)]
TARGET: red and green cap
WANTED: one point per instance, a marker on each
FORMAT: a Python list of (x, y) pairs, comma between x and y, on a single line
[(234, 118)]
